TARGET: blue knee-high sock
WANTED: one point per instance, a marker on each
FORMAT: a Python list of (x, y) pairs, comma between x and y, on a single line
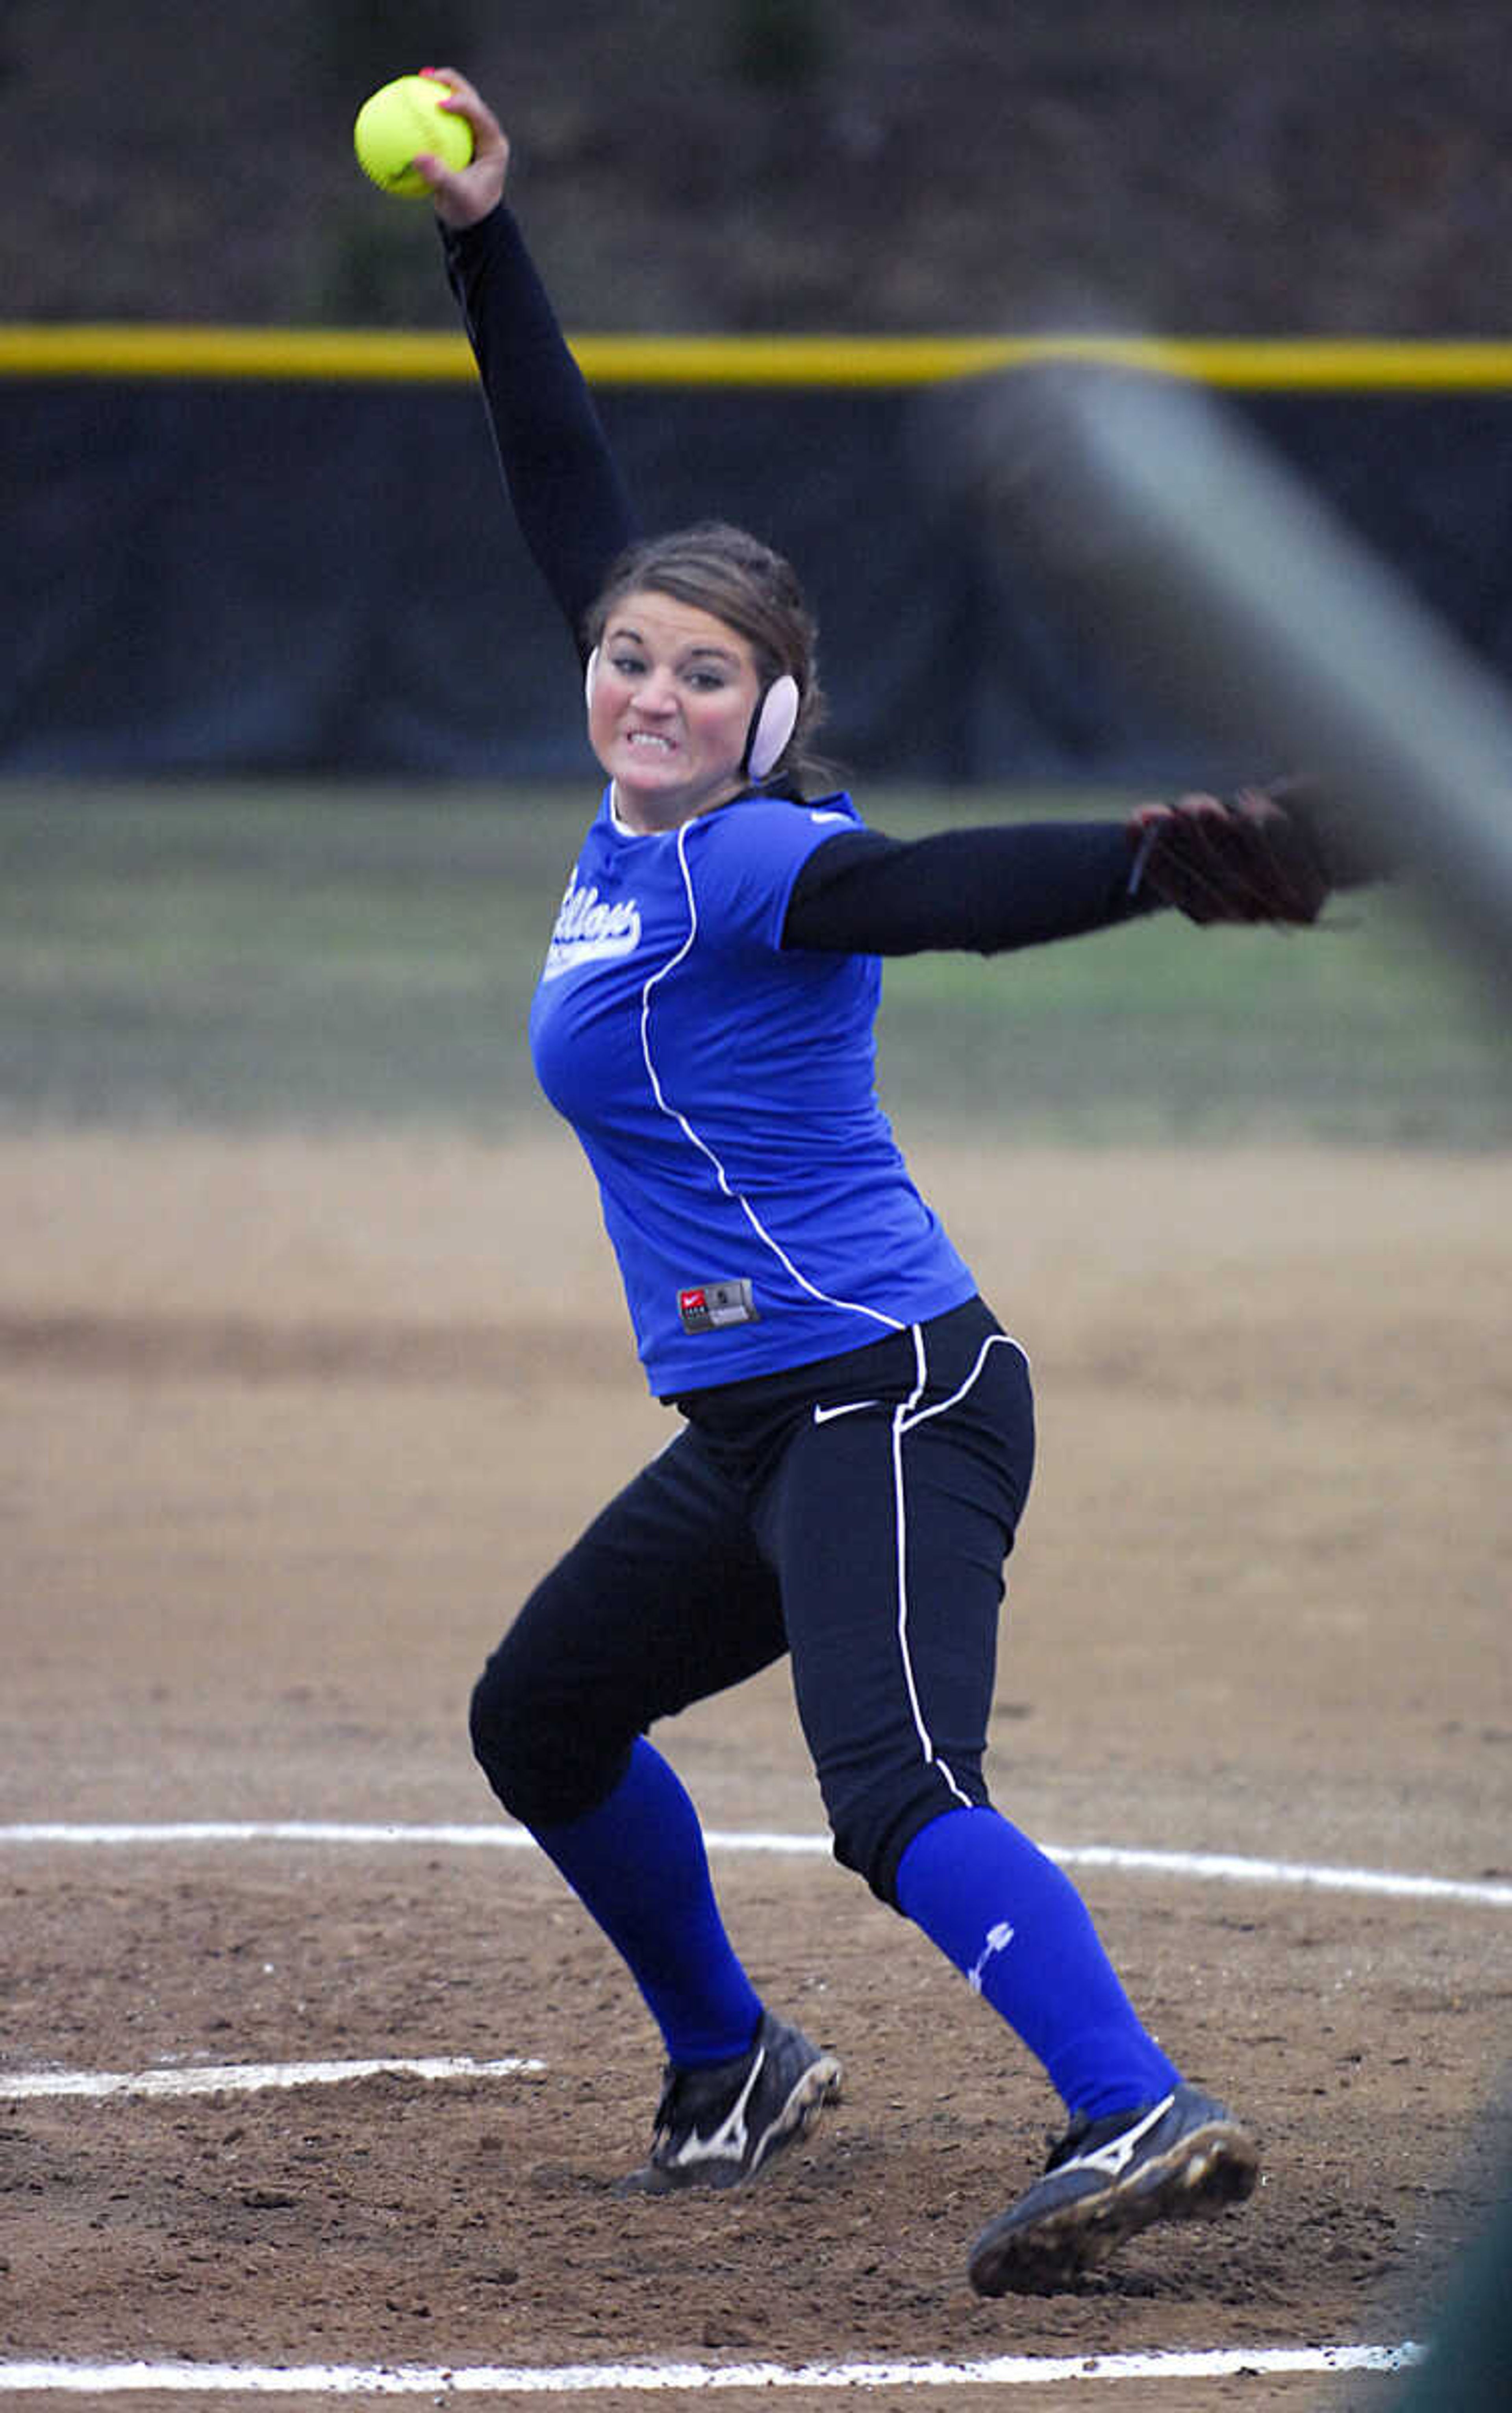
[(1021, 1934), (637, 1865)]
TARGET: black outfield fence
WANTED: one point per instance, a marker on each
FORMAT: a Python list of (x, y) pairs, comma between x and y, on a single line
[(261, 551)]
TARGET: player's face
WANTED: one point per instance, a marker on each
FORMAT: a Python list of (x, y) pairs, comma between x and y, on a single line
[(673, 692)]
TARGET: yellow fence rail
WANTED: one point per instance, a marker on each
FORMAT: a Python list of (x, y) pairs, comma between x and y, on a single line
[(365, 356)]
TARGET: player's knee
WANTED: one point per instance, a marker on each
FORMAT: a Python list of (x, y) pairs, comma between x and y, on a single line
[(540, 1762), (493, 1730), (508, 1736), (873, 1829)]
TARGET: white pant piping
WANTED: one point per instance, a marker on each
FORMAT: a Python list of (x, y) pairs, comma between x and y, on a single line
[(902, 1419)]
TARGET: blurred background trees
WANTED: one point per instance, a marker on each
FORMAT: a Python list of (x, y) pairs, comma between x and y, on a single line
[(1196, 165)]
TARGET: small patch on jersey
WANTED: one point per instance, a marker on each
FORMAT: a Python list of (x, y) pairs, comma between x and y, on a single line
[(708, 1307), (829, 817)]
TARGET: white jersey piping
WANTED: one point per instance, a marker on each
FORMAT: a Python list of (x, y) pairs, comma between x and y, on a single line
[(674, 1114)]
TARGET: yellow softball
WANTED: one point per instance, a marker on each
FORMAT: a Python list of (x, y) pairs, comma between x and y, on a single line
[(400, 119)]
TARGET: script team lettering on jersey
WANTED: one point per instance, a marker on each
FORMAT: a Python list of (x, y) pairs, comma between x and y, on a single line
[(589, 930)]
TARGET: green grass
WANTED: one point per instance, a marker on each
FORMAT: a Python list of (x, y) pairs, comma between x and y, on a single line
[(241, 955)]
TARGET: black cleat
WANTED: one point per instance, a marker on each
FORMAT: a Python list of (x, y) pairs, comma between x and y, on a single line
[(1183, 2158), (718, 2128)]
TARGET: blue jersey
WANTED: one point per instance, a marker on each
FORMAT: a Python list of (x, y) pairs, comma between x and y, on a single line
[(723, 1089)]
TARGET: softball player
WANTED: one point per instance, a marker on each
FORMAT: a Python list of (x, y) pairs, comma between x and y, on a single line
[(856, 1429)]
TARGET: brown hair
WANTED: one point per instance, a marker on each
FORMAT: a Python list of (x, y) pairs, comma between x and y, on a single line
[(739, 580)]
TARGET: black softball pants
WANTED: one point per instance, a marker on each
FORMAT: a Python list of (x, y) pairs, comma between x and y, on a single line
[(855, 1513)]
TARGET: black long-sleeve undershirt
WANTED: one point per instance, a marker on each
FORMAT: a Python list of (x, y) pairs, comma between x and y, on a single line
[(563, 481), (984, 890), (987, 890)]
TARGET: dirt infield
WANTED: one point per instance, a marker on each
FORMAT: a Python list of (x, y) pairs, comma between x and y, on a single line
[(289, 1425)]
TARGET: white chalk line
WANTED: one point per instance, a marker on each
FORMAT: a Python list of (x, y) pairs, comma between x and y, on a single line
[(178, 2377), (589, 2378), (345, 2381), (249, 2077), (1230, 1868)]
